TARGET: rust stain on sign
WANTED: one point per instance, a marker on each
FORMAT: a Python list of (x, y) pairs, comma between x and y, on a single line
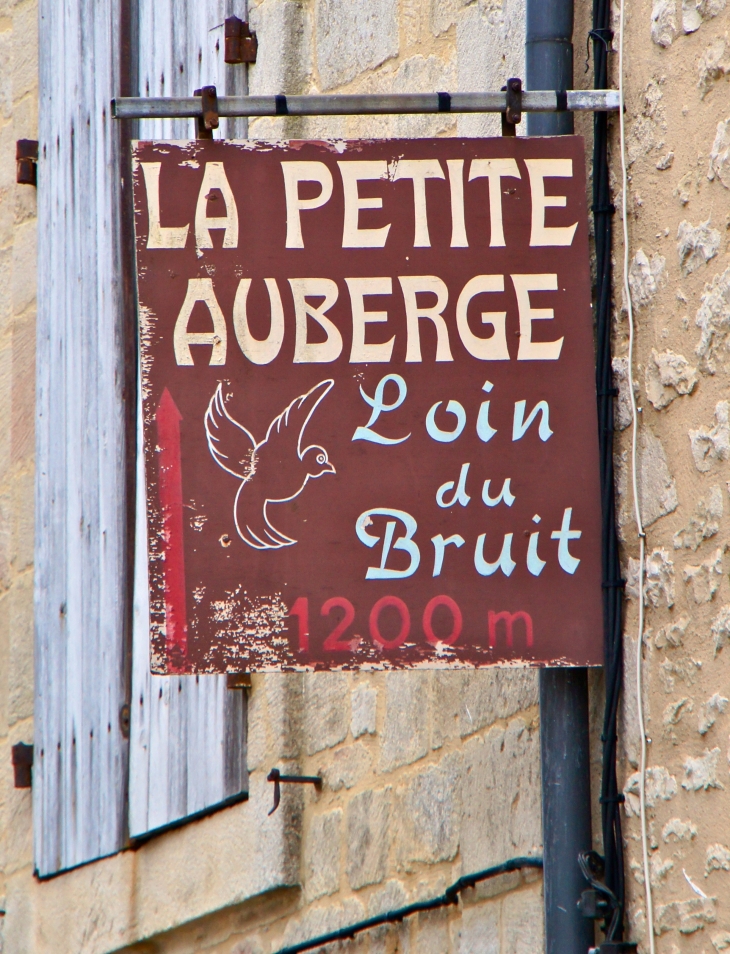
[(369, 404)]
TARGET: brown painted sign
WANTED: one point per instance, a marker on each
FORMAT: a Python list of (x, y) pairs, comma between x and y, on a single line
[(369, 404)]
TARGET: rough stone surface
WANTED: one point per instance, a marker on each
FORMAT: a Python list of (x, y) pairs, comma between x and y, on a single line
[(712, 444), (349, 766), (501, 816), (701, 773), (658, 579), (322, 855), (718, 859), (645, 277), (368, 837), (704, 524), (283, 64), (659, 786), (364, 707), (678, 830), (523, 920), (663, 22), (326, 714), (719, 167), (668, 375), (720, 628), (696, 245), (713, 65), (478, 930), (704, 579), (672, 635), (352, 38), (405, 732), (658, 492), (623, 413), (713, 320), (709, 711), (686, 916), (465, 702), (430, 812)]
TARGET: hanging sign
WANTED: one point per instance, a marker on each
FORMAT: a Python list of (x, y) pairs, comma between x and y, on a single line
[(369, 404)]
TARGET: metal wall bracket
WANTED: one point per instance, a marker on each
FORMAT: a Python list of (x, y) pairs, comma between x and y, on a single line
[(276, 777), (22, 758), (209, 119), (26, 162), (513, 114), (241, 44)]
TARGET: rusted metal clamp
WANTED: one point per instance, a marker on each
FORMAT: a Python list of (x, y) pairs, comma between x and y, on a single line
[(513, 113), (26, 162), (241, 44), (22, 758), (276, 777), (209, 120)]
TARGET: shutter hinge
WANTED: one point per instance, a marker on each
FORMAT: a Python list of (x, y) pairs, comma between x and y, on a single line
[(241, 44), (26, 162), (22, 758)]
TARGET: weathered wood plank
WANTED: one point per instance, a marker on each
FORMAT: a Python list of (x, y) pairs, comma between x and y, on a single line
[(80, 773), (188, 733)]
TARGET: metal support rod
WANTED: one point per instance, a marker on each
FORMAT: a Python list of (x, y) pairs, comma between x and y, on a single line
[(535, 101), (564, 740)]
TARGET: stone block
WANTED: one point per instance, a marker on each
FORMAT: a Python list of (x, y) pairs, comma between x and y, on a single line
[(523, 922), (501, 796), (368, 837), (477, 931), (390, 937), (326, 710), (490, 46), (363, 707), (284, 710), (658, 490), (322, 855), (283, 64), (349, 765), (405, 730), (465, 702), (256, 716), (429, 813), (432, 935), (353, 37), (321, 920)]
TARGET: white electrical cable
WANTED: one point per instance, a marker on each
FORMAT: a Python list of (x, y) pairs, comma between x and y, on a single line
[(634, 487)]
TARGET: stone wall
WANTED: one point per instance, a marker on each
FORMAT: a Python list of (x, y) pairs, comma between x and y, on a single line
[(678, 136)]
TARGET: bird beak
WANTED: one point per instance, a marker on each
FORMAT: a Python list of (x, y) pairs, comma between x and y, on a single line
[(329, 469)]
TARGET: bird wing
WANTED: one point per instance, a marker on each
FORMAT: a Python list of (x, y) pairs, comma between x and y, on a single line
[(252, 521), (287, 429), (231, 445)]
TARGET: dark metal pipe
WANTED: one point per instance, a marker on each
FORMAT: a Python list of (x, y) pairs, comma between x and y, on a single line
[(549, 59), (564, 744)]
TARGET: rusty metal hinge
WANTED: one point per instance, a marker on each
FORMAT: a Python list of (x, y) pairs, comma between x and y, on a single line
[(209, 120), (26, 162), (22, 758), (513, 114), (241, 44), (276, 777)]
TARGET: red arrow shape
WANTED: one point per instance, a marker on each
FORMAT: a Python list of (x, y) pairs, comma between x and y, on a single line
[(168, 419)]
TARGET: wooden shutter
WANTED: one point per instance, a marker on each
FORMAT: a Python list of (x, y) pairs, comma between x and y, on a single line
[(188, 733), (80, 771)]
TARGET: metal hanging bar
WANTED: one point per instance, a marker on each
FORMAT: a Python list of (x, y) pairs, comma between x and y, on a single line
[(533, 101)]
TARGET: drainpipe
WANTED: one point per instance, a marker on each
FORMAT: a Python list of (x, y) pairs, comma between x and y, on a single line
[(564, 749)]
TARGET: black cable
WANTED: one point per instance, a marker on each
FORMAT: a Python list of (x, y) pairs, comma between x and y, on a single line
[(613, 584), (450, 896)]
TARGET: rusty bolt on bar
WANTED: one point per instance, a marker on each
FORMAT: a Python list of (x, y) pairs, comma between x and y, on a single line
[(276, 777), (209, 120)]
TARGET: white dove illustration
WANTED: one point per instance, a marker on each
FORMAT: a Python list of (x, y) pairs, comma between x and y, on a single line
[(271, 471)]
